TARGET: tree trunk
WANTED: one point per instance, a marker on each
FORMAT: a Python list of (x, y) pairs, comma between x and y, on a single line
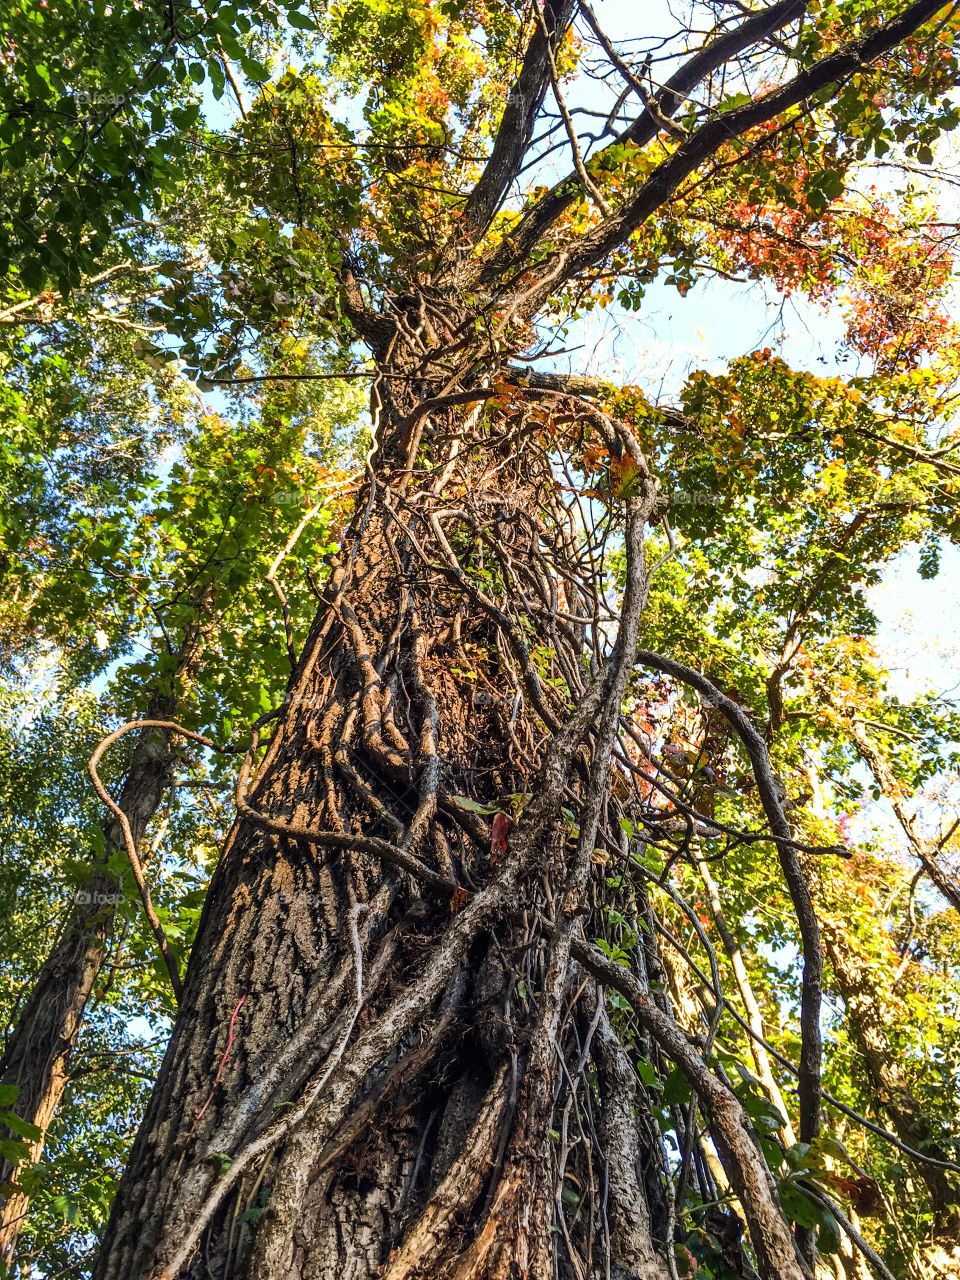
[(860, 984), (864, 1003), (387, 1063), (927, 851), (731, 947), (38, 1050)]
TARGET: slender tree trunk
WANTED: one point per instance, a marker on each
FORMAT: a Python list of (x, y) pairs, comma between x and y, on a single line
[(733, 953), (387, 1062), (926, 850), (861, 987), (39, 1047), (865, 1005)]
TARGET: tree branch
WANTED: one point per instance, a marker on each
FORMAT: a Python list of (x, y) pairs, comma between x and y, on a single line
[(593, 248), (645, 128), (516, 125), (731, 1129), (812, 986)]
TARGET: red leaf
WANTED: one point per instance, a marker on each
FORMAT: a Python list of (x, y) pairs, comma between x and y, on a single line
[(500, 830)]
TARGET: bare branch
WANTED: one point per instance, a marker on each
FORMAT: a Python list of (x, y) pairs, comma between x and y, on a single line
[(516, 126)]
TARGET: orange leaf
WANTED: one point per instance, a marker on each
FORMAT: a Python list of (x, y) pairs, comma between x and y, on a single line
[(625, 473), (459, 898), (593, 455)]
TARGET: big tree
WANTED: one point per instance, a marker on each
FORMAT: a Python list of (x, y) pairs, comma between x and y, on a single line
[(434, 1022)]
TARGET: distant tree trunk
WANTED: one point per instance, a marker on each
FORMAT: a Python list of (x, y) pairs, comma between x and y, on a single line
[(860, 985), (865, 1006), (734, 955), (386, 1063), (39, 1046), (926, 851)]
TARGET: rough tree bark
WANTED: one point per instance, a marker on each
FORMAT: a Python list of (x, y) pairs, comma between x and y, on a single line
[(358, 1084)]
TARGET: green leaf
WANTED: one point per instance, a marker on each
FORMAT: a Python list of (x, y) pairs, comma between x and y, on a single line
[(797, 1207), (676, 1089), (302, 21), (14, 1151), (18, 1125), (218, 79), (67, 1207), (473, 806)]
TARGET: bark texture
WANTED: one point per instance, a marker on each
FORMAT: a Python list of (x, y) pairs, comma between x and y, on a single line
[(393, 1056), (389, 1060)]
